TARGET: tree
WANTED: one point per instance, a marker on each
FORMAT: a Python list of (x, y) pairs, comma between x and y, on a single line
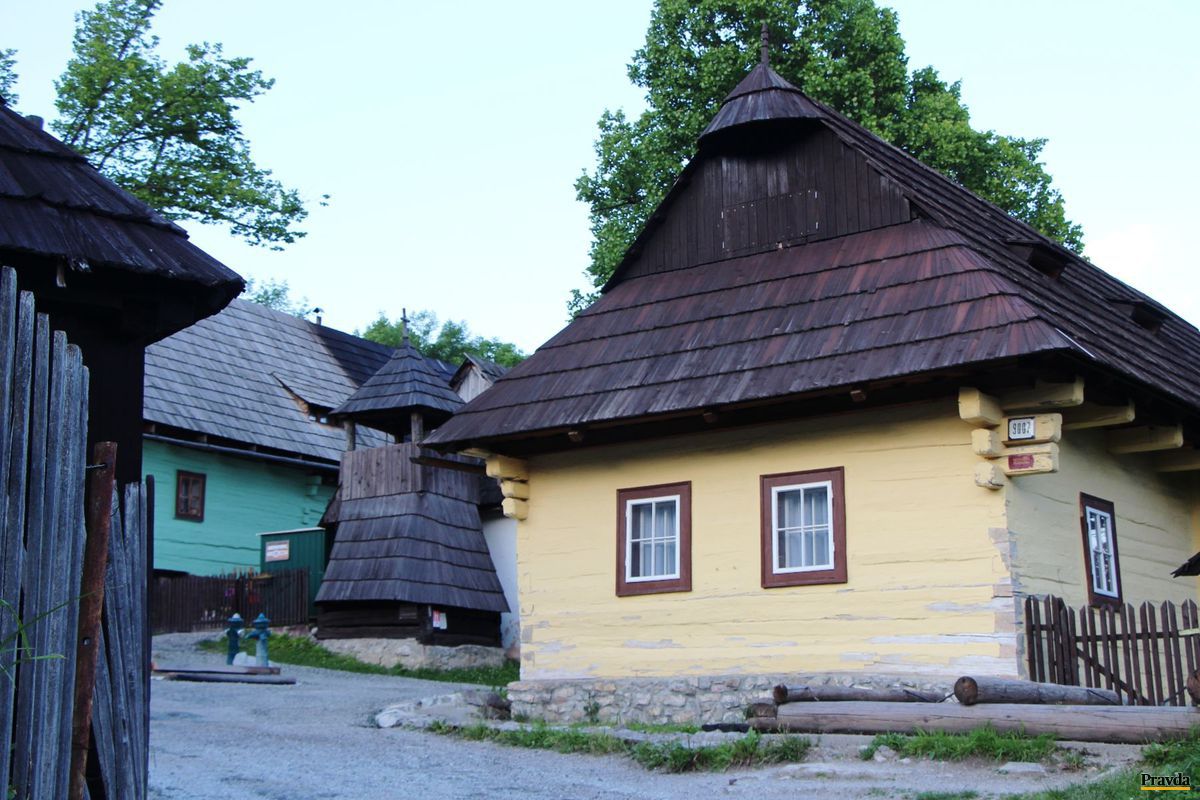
[(169, 134), (450, 341), (277, 295), (8, 76), (846, 53)]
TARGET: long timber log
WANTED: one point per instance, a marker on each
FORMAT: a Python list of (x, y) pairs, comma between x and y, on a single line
[(1121, 724), (970, 691), (804, 694)]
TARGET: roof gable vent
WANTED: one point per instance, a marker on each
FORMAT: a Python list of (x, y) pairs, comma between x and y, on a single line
[(1149, 315), (1043, 256)]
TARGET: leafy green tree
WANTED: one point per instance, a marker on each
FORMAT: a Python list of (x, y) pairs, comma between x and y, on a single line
[(449, 341), (846, 53), (276, 294), (169, 134), (8, 76)]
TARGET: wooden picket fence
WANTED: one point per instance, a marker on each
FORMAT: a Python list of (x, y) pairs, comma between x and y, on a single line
[(205, 602), (1143, 654)]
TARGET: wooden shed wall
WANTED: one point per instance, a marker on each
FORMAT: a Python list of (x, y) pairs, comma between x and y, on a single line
[(1158, 523), (735, 204), (928, 583)]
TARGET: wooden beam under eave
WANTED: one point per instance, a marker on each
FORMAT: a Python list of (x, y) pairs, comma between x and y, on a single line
[(517, 489), (978, 409), (1145, 439), (1178, 461), (503, 467), (1093, 415), (514, 508), (1045, 396)]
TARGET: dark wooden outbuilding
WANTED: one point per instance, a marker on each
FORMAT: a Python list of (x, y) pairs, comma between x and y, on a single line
[(112, 273), (802, 265), (409, 558)]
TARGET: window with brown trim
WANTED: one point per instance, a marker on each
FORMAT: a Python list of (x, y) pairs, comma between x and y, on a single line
[(803, 528), (189, 495), (654, 539), (1098, 522)]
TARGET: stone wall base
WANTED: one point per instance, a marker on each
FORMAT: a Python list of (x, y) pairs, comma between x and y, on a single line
[(685, 700), (413, 655)]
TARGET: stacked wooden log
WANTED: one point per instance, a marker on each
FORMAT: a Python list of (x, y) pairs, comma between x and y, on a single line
[(1068, 712)]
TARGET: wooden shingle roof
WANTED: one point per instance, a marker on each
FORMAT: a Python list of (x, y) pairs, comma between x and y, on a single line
[(54, 205), (804, 254), (407, 382), (408, 533), (254, 376)]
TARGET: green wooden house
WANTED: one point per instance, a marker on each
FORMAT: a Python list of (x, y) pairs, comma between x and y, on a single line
[(237, 434)]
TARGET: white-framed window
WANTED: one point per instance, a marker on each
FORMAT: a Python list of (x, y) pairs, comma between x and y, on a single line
[(1098, 520), (802, 527), (652, 539), (1100, 543)]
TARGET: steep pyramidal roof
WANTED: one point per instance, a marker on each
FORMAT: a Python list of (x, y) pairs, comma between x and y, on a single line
[(405, 383), (799, 254), (54, 205)]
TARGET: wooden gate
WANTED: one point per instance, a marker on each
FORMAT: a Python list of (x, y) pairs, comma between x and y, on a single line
[(1143, 654)]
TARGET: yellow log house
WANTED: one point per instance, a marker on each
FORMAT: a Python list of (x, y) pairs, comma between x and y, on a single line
[(834, 413)]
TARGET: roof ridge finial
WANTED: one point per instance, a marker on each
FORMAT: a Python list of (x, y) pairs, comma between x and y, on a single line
[(404, 323), (763, 56)]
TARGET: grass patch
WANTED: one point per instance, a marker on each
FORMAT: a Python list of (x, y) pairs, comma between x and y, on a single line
[(663, 727), (984, 742), (667, 757), (1166, 758), (304, 652)]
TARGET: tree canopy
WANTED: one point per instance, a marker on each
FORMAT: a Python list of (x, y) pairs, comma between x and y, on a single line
[(846, 53), (168, 134), (277, 295), (449, 341)]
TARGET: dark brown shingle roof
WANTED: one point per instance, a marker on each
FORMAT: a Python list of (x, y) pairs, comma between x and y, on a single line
[(894, 270), (53, 204), (407, 382)]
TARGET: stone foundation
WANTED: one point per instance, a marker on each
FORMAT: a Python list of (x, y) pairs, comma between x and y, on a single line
[(684, 700), (413, 655)]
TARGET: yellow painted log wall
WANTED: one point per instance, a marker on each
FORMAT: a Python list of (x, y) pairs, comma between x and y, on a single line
[(1156, 523), (928, 579)]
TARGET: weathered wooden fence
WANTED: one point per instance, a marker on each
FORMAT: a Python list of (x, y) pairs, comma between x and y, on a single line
[(1143, 654), (205, 602), (43, 532)]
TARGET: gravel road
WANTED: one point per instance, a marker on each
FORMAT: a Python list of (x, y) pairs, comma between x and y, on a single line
[(316, 741)]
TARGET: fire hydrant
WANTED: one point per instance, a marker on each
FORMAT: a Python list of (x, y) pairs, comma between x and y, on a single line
[(234, 634), (261, 633)]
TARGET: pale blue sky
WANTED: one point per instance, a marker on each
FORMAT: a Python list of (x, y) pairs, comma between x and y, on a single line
[(449, 134)]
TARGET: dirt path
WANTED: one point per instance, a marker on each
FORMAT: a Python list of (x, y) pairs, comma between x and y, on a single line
[(316, 741)]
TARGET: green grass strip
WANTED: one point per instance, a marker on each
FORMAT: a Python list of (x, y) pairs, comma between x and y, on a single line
[(748, 751), (985, 742), (304, 652)]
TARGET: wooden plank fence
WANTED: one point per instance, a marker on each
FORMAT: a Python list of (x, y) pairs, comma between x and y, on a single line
[(43, 531), (205, 602), (1143, 654), (43, 447)]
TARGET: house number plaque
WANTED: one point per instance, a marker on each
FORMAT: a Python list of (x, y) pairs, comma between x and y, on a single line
[(1020, 428)]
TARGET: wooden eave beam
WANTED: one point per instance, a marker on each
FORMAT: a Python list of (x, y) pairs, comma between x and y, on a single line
[(1094, 415), (1178, 461), (1145, 439), (979, 409), (1045, 396)]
